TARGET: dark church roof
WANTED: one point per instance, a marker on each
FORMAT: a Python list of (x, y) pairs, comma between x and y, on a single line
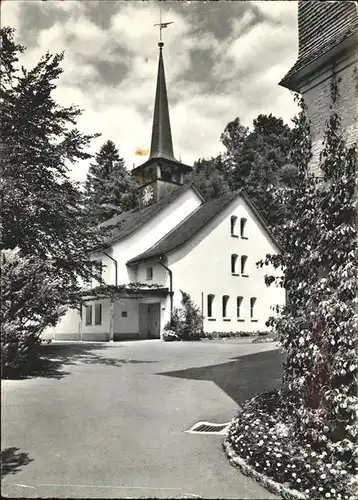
[(127, 222), (194, 223), (322, 26)]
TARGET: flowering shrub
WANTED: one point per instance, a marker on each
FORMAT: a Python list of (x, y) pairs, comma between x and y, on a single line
[(264, 435)]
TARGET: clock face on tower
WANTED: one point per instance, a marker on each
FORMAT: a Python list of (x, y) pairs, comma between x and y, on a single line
[(147, 195)]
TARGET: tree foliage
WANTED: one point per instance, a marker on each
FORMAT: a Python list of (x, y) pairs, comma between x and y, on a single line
[(110, 188), (258, 159), (211, 177), (42, 209), (31, 300), (318, 325)]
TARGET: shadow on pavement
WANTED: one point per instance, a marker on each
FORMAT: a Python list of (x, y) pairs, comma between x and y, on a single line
[(12, 461), (242, 378), (54, 358)]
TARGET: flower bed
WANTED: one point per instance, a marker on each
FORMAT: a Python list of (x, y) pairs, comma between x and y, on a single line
[(262, 436), (230, 335)]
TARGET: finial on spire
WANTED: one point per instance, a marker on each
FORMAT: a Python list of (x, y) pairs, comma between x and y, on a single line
[(161, 26)]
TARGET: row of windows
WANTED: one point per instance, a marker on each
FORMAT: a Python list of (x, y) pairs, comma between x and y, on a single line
[(233, 225), (97, 314), (234, 266), (225, 301)]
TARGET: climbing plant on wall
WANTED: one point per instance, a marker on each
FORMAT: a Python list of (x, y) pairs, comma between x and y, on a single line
[(318, 325)]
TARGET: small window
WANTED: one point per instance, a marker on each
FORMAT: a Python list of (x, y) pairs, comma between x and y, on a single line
[(149, 273), (252, 307), (242, 228), (210, 305), (238, 307), (233, 263), (124, 314), (88, 315), (243, 264), (233, 224), (98, 314), (225, 304)]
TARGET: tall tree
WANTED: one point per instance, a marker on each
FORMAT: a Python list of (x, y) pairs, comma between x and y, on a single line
[(258, 159), (110, 188), (42, 209), (210, 176)]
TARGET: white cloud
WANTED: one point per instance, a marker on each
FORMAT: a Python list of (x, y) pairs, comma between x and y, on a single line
[(248, 64)]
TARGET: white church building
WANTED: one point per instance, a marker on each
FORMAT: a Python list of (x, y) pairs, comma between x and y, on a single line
[(177, 241)]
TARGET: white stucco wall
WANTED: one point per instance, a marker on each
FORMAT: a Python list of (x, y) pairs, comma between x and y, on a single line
[(68, 327), (145, 237), (97, 332), (203, 266), (126, 327)]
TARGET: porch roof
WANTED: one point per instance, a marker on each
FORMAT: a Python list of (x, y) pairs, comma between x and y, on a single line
[(135, 293)]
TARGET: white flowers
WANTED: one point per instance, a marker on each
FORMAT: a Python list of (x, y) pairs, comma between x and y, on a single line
[(281, 429)]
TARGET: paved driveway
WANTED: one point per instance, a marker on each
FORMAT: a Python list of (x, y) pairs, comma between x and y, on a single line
[(108, 420)]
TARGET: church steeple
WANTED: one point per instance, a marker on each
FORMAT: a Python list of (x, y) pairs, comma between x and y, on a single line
[(161, 144), (161, 173)]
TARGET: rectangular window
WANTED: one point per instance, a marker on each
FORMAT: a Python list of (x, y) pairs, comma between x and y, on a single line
[(243, 265), (252, 307), (210, 305), (225, 305), (98, 314), (149, 273), (233, 263), (124, 314), (242, 228), (88, 315), (232, 225), (238, 307)]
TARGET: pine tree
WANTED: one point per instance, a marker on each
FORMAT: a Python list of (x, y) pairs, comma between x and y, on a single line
[(110, 188)]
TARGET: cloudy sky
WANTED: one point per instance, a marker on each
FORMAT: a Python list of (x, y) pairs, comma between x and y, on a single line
[(222, 60)]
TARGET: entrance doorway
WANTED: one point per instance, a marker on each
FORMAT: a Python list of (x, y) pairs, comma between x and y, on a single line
[(154, 321), (149, 320)]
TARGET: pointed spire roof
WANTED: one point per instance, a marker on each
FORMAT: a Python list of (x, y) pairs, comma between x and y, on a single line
[(162, 144)]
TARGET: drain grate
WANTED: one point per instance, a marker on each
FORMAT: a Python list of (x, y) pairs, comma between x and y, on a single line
[(208, 428)]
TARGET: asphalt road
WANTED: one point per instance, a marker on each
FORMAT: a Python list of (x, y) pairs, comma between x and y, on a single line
[(108, 420)]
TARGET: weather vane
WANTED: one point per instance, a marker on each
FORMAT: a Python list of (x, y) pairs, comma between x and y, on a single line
[(162, 25)]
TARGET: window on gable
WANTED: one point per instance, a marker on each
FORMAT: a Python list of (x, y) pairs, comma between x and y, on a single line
[(233, 224), (252, 307), (210, 305), (242, 228), (225, 305), (239, 301), (98, 314), (233, 263), (88, 315), (243, 264), (149, 273)]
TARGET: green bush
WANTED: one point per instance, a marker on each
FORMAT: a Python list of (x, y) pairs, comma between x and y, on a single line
[(186, 322), (30, 301), (239, 334)]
